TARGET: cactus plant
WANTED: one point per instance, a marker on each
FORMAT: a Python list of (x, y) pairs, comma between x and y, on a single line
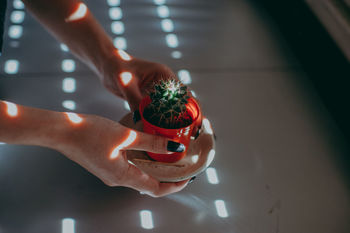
[(168, 105)]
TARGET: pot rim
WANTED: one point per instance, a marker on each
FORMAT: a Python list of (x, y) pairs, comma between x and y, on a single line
[(147, 100)]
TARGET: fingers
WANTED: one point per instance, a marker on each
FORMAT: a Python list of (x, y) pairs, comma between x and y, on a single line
[(136, 179), (169, 188), (144, 183), (207, 126), (155, 144), (130, 89)]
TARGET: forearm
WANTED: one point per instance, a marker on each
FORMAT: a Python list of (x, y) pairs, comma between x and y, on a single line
[(84, 36), (32, 126)]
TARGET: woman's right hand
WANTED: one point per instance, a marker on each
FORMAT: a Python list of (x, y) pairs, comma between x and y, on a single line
[(99, 145)]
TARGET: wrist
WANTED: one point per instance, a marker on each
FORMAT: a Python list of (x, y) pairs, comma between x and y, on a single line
[(32, 126), (49, 130), (112, 65), (54, 132)]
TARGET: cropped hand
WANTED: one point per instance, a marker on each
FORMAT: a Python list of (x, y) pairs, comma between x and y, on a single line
[(99, 145), (145, 73)]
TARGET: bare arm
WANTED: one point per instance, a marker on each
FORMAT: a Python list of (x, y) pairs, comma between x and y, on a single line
[(89, 42), (84, 36), (94, 142)]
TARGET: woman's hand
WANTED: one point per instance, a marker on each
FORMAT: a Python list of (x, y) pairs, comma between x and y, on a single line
[(99, 145), (145, 73)]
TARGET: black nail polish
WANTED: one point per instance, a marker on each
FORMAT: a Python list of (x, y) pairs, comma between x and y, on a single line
[(197, 134), (192, 179), (136, 116), (175, 147), (215, 137)]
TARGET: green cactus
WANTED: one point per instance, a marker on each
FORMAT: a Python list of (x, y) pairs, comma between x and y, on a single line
[(168, 106)]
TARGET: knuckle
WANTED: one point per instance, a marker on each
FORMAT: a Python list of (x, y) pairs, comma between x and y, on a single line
[(159, 144)]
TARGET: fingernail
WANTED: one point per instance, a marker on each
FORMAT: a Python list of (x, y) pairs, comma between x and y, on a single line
[(136, 116), (196, 135), (215, 137), (175, 146), (192, 179)]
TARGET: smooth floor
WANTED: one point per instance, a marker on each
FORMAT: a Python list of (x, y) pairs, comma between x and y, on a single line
[(276, 167)]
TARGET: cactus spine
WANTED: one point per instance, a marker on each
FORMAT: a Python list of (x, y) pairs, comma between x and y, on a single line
[(168, 106)]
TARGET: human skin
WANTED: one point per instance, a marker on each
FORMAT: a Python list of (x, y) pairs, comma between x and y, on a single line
[(88, 41), (88, 140)]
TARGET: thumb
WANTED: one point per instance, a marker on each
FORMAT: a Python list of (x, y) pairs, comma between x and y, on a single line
[(138, 180)]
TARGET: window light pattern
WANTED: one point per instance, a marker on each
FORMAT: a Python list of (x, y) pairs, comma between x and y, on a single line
[(69, 85), (212, 175), (171, 40), (159, 2), (78, 14), (73, 117), (113, 2), (124, 55), (64, 47), (69, 104), (127, 142), (117, 27), (120, 43), (163, 11), (11, 109), (221, 208), (11, 66), (126, 105), (176, 54), (68, 65), (167, 25), (125, 78), (185, 77), (68, 225), (146, 219), (115, 13), (17, 16), (15, 31), (211, 157), (17, 4), (207, 126)]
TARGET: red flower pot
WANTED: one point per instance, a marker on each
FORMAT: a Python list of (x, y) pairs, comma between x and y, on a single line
[(181, 135)]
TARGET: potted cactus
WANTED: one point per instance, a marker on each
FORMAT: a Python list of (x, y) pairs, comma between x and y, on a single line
[(170, 111)]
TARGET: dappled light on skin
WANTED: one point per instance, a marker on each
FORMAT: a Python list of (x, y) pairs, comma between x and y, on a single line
[(207, 126), (11, 109), (211, 157), (125, 143), (125, 78), (74, 118), (195, 158), (123, 55), (79, 13)]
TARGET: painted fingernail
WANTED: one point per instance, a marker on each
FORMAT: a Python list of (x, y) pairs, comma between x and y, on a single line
[(197, 134), (192, 179), (136, 116), (215, 137), (175, 146)]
